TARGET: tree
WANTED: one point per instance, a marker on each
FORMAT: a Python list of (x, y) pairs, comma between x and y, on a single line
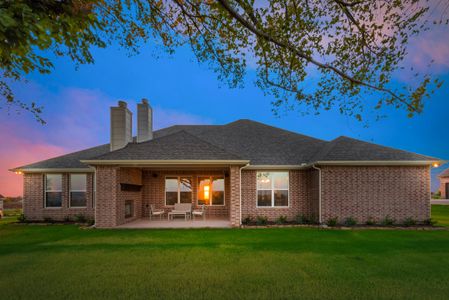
[(348, 49)]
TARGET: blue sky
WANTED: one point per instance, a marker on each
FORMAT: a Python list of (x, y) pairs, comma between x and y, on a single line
[(182, 91)]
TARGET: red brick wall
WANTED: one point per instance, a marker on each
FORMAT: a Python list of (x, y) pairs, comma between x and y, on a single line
[(303, 194), (33, 199), (106, 203), (234, 212), (154, 190), (130, 176), (363, 192), (443, 181)]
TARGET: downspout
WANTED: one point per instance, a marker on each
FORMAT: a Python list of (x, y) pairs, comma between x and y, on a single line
[(319, 192), (247, 165)]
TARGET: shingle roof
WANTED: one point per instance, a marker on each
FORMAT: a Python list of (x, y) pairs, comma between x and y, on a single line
[(348, 149), (176, 146), (445, 173), (240, 140)]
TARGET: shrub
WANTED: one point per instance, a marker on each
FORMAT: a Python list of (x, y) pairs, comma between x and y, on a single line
[(80, 218), (247, 220), (332, 222), (436, 195), (261, 220), (281, 220), (370, 221), (90, 222), (388, 221), (350, 221), (430, 222), (48, 220), (409, 222), (302, 219), (67, 219), (21, 218)]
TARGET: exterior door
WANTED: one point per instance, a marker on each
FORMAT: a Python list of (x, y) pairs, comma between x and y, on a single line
[(447, 190)]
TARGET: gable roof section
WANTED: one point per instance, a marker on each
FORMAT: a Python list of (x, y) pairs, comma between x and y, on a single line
[(176, 146), (445, 173), (347, 149)]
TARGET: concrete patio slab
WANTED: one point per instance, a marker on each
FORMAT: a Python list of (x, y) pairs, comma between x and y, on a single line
[(177, 223), (440, 202)]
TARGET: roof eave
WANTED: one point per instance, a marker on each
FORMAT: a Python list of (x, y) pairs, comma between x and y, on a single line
[(163, 162), (380, 162), (53, 170)]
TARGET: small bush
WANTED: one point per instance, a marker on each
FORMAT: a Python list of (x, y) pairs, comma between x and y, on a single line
[(409, 222), (21, 218), (302, 219), (350, 221), (49, 220), (388, 221), (332, 222), (430, 222), (247, 220), (281, 220), (370, 221), (67, 219), (80, 218), (90, 222), (261, 220)]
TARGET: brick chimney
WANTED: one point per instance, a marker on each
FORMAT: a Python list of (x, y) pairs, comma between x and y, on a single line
[(121, 126), (144, 121)]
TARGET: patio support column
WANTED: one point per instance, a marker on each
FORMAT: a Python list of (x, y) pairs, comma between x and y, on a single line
[(234, 175), (106, 198)]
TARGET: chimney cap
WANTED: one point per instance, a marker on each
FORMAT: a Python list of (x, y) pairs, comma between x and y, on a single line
[(145, 101), (122, 104)]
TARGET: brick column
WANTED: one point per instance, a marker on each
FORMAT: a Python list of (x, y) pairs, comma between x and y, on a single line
[(234, 175), (106, 196)]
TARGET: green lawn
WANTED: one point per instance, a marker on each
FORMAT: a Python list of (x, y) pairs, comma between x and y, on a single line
[(66, 262), (440, 213)]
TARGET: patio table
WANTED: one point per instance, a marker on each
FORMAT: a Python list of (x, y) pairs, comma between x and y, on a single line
[(184, 213)]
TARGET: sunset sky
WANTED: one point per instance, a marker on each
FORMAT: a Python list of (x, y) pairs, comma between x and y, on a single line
[(77, 105)]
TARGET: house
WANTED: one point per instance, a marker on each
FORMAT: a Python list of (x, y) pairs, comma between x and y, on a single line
[(2, 198), (236, 170), (444, 184)]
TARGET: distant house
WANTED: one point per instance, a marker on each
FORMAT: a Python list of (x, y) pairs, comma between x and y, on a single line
[(1, 205), (444, 184), (236, 170)]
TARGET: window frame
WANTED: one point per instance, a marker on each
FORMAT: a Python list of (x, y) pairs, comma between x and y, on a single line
[(59, 191), (70, 190), (178, 178), (272, 189), (211, 177)]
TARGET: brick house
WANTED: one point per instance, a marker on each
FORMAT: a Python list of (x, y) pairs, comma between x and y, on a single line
[(240, 169), (444, 184)]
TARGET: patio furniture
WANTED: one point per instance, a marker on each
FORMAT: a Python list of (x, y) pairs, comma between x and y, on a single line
[(156, 212), (199, 212), (181, 209)]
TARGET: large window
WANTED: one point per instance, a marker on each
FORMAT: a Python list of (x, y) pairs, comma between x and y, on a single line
[(53, 190), (211, 191), (178, 190), (78, 190), (272, 189)]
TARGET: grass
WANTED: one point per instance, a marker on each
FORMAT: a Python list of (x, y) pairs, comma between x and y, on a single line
[(440, 213), (64, 261)]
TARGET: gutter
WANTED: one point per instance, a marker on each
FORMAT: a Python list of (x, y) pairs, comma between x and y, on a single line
[(55, 170), (163, 162), (319, 192)]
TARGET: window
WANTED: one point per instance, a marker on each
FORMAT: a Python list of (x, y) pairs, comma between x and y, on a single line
[(78, 195), (129, 208), (178, 190), (272, 189), (53, 190), (211, 191)]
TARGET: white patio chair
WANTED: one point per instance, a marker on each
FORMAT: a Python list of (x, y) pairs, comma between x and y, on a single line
[(199, 212), (156, 212)]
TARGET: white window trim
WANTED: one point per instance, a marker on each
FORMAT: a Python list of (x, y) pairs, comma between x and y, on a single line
[(70, 191), (272, 191), (210, 177), (59, 191), (178, 177), (94, 189)]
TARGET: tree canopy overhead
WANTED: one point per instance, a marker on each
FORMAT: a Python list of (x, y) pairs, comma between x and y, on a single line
[(318, 54)]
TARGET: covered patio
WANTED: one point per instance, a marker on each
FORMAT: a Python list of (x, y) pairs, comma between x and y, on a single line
[(213, 222)]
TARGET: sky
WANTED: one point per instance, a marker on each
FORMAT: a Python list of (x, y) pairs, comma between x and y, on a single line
[(76, 106)]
